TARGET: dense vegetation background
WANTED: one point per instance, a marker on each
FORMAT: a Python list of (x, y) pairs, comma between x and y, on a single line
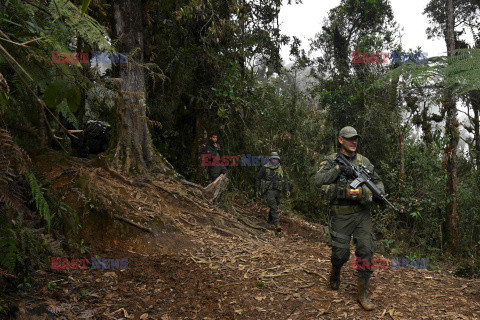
[(214, 66)]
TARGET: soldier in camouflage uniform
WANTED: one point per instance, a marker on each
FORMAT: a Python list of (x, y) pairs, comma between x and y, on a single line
[(272, 180), (350, 212)]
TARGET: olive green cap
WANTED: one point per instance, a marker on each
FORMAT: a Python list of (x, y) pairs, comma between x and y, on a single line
[(274, 155), (348, 132)]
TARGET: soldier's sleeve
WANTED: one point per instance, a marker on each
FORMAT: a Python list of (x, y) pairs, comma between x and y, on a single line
[(327, 173), (259, 178), (375, 177)]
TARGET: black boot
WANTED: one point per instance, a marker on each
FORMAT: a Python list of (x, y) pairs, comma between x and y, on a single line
[(270, 218), (362, 294), (334, 278)]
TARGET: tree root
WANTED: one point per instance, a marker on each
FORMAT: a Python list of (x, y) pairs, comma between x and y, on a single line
[(136, 225)]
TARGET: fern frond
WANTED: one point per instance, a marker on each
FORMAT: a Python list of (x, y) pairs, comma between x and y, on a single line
[(65, 111), (460, 71), (40, 201), (12, 158), (87, 27), (9, 253)]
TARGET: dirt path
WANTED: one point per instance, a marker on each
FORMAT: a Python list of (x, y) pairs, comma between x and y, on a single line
[(201, 262)]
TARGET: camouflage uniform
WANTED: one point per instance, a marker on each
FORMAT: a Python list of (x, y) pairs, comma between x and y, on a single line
[(274, 180), (350, 216)]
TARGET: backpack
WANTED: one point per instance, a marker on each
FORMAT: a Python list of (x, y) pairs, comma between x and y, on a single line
[(97, 136), (97, 129)]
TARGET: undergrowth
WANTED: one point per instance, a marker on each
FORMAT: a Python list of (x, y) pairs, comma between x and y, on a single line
[(34, 224)]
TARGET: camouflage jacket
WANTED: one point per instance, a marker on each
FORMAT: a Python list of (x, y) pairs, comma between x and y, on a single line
[(273, 177), (329, 177)]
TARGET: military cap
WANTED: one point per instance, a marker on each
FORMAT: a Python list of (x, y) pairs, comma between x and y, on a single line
[(348, 132), (274, 155)]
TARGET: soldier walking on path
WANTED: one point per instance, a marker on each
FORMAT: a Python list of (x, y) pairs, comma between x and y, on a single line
[(350, 211), (272, 180)]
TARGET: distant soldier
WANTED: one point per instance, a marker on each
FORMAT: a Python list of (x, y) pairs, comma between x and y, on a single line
[(213, 148), (272, 180), (350, 210)]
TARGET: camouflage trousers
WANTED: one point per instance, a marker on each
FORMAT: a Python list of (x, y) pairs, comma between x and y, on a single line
[(359, 225), (273, 200)]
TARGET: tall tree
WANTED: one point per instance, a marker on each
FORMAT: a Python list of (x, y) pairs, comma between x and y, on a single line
[(364, 26), (133, 149), (474, 99), (444, 15), (452, 133)]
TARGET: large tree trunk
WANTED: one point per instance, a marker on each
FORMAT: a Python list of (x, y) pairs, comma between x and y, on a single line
[(475, 102), (452, 134), (133, 148)]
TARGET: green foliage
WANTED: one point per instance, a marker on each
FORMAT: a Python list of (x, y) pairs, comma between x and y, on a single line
[(83, 248), (9, 256), (423, 208), (71, 18), (204, 80), (468, 195), (21, 249), (66, 112), (60, 91), (24, 247), (52, 285), (460, 72), (261, 283), (468, 271), (85, 4), (40, 201), (342, 87), (47, 27)]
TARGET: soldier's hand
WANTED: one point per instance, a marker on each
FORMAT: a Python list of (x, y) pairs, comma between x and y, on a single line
[(258, 195), (288, 193), (347, 171)]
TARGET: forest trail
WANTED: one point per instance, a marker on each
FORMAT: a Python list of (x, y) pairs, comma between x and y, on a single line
[(189, 259)]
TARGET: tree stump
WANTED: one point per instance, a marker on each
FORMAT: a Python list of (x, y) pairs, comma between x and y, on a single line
[(215, 189)]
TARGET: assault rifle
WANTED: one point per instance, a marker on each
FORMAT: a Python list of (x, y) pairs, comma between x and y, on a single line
[(363, 176)]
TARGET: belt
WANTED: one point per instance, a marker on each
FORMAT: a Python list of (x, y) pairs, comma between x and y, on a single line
[(337, 209)]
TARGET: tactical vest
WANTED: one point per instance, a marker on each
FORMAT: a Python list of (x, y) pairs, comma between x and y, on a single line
[(274, 178), (343, 204), (341, 195)]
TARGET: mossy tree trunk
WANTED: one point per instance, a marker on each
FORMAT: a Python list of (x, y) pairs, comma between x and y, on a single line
[(452, 134), (133, 150)]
